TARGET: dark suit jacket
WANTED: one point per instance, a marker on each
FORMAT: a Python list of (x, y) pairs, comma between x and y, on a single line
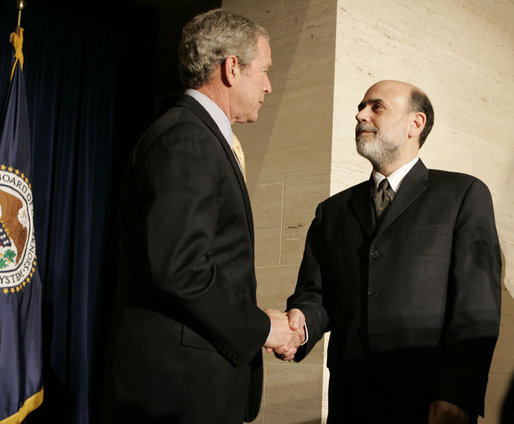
[(188, 334), (423, 285)]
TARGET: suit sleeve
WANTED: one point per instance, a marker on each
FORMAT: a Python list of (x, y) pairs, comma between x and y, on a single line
[(473, 304), (183, 182), (308, 295)]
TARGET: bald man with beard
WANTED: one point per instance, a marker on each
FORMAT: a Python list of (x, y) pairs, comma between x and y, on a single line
[(404, 271)]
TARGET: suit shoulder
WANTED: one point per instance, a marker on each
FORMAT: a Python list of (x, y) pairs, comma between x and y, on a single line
[(454, 179), (177, 126), (176, 120), (346, 194)]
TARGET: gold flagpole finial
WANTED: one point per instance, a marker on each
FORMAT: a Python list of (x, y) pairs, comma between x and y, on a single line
[(17, 38), (21, 4)]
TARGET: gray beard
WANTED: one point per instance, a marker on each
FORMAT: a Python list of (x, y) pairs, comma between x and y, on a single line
[(379, 151)]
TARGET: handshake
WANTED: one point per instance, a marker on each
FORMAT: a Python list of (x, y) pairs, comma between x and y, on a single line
[(287, 333)]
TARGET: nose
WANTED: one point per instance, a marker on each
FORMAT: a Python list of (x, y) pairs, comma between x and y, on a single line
[(362, 115), (267, 85)]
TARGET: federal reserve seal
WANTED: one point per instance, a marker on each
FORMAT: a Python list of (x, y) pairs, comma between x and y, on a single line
[(17, 238)]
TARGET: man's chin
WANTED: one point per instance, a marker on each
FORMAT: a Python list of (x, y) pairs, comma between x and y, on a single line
[(365, 152), (362, 145), (252, 118), (249, 118)]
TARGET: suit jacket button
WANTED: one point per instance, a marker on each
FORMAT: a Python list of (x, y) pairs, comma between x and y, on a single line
[(372, 293), (375, 254)]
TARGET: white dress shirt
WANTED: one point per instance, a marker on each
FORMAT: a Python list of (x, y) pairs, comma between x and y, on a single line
[(395, 179)]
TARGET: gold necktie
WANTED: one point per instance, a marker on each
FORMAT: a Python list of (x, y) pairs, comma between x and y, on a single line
[(238, 151)]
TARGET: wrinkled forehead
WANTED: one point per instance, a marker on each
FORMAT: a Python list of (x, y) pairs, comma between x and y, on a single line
[(392, 92)]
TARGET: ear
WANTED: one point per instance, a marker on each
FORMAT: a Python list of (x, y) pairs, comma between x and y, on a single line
[(229, 70), (418, 120)]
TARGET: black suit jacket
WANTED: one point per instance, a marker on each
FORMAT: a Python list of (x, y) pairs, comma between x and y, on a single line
[(188, 335), (424, 283)]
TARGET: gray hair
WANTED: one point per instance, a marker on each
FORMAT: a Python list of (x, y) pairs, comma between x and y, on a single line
[(209, 38)]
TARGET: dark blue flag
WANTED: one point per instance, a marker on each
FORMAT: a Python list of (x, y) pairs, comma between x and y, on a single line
[(21, 387)]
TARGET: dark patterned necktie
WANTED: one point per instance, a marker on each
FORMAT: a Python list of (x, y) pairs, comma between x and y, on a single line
[(383, 196)]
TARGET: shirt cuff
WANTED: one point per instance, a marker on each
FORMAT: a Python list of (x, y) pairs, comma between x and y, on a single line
[(306, 334)]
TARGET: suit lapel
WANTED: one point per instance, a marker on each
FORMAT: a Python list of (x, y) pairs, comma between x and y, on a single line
[(412, 186), (191, 104), (361, 206)]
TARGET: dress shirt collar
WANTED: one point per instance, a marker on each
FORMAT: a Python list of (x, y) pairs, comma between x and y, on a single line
[(215, 112), (396, 178)]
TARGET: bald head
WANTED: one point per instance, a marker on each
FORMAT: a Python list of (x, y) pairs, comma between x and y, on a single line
[(399, 88)]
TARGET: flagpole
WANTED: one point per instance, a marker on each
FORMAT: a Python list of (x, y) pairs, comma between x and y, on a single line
[(21, 295), (21, 5)]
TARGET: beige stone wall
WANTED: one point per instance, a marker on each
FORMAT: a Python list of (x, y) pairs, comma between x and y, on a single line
[(326, 53), (461, 52), (288, 162)]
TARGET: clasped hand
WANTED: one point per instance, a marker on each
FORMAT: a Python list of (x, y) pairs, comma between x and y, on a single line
[(287, 333)]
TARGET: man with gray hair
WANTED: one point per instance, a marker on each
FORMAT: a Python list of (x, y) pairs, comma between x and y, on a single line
[(188, 333)]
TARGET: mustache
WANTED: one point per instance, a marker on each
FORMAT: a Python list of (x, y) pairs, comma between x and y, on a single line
[(363, 127)]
